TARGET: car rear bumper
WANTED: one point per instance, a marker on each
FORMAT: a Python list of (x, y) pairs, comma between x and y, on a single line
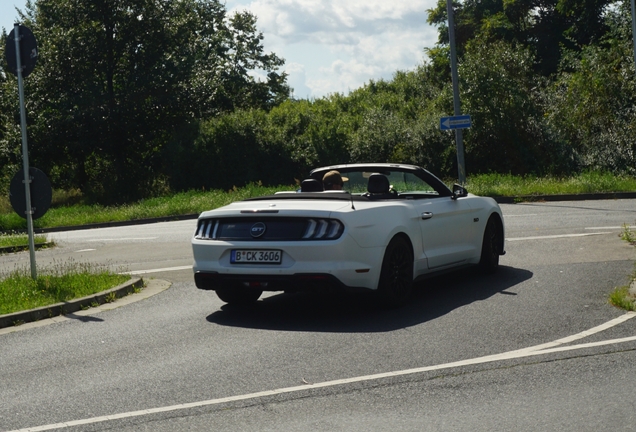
[(337, 263), (290, 283)]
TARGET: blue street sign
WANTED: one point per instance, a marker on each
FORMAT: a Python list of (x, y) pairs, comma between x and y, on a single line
[(455, 122)]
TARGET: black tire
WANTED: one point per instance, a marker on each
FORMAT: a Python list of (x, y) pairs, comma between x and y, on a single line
[(238, 295), (490, 248), (396, 278)]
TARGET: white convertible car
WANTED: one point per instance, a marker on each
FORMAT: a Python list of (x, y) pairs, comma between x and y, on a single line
[(391, 225)]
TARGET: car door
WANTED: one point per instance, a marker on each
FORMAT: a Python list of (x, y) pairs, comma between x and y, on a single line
[(448, 230)]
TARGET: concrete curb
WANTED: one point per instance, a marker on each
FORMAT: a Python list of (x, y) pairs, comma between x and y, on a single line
[(565, 197), (75, 305)]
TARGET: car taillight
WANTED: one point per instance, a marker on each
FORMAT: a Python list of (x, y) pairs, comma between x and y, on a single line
[(323, 229), (206, 229)]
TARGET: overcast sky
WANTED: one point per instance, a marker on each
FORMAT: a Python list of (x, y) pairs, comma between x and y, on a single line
[(330, 46)]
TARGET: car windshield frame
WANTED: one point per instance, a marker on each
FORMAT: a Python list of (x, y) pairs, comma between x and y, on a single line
[(406, 180)]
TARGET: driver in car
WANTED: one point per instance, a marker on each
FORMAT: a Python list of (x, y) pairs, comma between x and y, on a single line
[(333, 180)]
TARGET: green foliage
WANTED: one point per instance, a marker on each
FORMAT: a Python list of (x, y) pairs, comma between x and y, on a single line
[(311, 133), (230, 150), (10, 155), (116, 79), (545, 26), (502, 94), (592, 105)]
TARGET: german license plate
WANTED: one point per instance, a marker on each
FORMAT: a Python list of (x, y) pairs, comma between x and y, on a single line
[(256, 256)]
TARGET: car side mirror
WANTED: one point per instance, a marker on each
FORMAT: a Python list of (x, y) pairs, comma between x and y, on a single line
[(459, 191)]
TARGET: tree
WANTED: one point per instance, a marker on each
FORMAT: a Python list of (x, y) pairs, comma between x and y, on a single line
[(502, 94), (117, 78), (592, 105), (545, 26)]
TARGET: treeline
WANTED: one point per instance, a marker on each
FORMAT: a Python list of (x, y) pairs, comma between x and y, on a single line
[(135, 98)]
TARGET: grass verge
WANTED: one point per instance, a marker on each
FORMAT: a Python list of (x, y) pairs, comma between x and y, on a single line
[(589, 182), (192, 202), (70, 211), (19, 240), (58, 283), (621, 297)]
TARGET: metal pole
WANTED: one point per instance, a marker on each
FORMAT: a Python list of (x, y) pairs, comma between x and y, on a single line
[(461, 167), (25, 153), (634, 29)]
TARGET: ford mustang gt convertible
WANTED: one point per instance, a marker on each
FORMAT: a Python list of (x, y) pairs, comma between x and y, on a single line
[(389, 226)]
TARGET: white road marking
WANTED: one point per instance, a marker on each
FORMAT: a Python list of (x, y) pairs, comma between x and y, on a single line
[(616, 321), (122, 239), (526, 352), (556, 236), (138, 272), (85, 250), (610, 227)]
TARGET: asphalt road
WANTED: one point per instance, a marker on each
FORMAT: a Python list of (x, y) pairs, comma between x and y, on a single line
[(533, 347)]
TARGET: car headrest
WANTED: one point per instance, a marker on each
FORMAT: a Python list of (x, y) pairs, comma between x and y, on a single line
[(378, 184), (310, 185)]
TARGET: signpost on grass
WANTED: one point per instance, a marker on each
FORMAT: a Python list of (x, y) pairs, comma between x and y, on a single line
[(461, 168), (22, 55)]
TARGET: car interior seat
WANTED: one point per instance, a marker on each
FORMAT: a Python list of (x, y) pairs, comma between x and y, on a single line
[(378, 186), (311, 185)]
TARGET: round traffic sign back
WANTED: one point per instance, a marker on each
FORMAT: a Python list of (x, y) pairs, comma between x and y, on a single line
[(41, 193), (28, 51)]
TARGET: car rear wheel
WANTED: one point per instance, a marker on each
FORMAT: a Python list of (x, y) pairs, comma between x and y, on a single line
[(238, 295), (489, 261), (396, 277)]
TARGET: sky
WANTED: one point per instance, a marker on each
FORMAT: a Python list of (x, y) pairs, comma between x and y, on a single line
[(330, 46)]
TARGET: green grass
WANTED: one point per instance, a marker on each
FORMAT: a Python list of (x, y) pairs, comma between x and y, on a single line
[(509, 185), (192, 202), (628, 235), (58, 283), (621, 298), (19, 240), (68, 209)]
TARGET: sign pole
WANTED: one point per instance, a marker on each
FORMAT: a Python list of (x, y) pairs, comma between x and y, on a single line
[(461, 167), (25, 153)]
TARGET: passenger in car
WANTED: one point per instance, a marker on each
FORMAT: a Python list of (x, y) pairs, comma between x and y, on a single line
[(333, 180)]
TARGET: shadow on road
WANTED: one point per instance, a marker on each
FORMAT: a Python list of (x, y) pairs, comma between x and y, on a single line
[(432, 298), (83, 318)]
